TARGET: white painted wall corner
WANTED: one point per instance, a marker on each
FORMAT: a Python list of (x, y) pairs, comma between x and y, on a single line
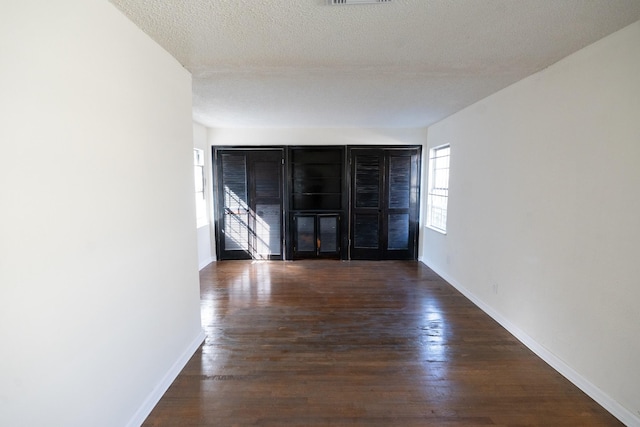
[(156, 394), (617, 410)]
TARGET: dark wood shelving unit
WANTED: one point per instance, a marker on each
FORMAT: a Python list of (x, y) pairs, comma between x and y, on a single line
[(317, 202)]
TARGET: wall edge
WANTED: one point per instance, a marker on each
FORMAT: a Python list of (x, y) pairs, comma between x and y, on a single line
[(168, 378)]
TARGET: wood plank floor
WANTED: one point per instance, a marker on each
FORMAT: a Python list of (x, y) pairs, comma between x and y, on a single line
[(331, 343)]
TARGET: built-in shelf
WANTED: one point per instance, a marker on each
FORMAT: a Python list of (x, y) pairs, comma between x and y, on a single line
[(317, 200)]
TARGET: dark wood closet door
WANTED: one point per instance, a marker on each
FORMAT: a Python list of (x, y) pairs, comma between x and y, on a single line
[(249, 204), (367, 171), (384, 203)]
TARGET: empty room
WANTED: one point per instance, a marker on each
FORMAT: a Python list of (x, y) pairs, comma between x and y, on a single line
[(406, 213)]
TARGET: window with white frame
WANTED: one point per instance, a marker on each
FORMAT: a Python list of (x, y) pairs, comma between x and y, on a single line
[(201, 204), (438, 195)]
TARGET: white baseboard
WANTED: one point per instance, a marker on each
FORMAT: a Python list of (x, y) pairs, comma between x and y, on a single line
[(206, 262), (156, 394), (617, 410)]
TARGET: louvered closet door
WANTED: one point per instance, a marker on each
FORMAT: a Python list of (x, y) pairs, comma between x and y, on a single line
[(384, 203), (249, 202), (367, 171)]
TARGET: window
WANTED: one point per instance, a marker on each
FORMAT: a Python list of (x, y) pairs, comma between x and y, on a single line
[(438, 188), (201, 204)]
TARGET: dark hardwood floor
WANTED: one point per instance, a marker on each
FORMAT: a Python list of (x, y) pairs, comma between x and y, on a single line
[(330, 343)]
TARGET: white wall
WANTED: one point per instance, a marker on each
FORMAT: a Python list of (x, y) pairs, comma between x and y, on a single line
[(206, 239), (99, 298), (317, 136), (544, 214)]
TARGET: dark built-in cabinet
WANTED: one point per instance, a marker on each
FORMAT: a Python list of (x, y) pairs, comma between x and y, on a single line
[(317, 202)]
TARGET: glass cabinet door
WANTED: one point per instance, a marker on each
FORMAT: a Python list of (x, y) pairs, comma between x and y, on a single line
[(328, 234), (305, 238), (316, 235)]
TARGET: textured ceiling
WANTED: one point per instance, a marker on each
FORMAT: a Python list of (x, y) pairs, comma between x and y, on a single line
[(407, 63)]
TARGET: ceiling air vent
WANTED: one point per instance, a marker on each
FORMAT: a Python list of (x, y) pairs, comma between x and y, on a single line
[(338, 2)]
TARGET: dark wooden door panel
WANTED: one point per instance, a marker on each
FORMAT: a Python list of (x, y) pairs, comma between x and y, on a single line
[(266, 179), (368, 182), (249, 204), (399, 195), (401, 213), (398, 226), (384, 203), (235, 201), (266, 194)]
